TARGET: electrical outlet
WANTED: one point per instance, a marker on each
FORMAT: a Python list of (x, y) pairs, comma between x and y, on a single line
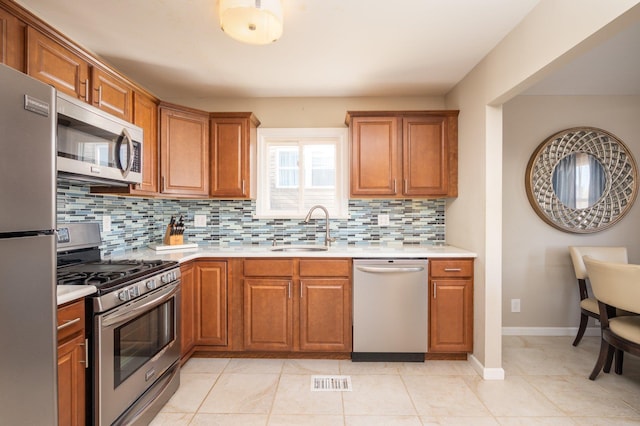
[(515, 305), (106, 223), (200, 220), (383, 220)]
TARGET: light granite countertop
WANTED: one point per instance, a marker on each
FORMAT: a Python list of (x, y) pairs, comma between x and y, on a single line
[(356, 252), (69, 293)]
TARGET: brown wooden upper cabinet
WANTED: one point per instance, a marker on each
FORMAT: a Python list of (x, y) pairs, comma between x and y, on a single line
[(145, 115), (111, 94), (52, 63), (70, 73), (184, 151), (233, 150), (12, 49), (404, 154)]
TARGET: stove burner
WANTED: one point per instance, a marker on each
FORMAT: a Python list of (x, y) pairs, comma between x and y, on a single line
[(108, 275)]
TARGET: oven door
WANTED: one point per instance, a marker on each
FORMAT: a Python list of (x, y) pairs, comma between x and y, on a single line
[(135, 344)]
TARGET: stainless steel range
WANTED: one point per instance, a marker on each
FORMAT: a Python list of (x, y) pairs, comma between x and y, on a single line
[(134, 322)]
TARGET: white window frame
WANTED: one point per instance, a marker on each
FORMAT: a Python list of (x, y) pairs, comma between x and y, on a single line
[(278, 168), (297, 136)]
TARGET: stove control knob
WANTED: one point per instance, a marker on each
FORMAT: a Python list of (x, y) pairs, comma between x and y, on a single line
[(123, 295), (163, 278), (151, 284)]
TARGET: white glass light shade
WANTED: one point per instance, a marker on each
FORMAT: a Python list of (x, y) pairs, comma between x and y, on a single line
[(251, 21)]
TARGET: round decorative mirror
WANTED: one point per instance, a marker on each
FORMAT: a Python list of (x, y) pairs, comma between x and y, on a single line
[(581, 180)]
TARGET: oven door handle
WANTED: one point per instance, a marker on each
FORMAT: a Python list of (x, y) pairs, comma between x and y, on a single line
[(126, 315)]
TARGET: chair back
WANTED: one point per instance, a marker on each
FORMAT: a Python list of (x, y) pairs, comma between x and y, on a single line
[(615, 284), (607, 254)]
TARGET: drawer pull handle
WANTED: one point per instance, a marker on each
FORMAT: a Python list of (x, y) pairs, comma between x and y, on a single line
[(68, 323), (453, 269)]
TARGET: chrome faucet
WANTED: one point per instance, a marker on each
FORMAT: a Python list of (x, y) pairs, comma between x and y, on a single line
[(327, 239)]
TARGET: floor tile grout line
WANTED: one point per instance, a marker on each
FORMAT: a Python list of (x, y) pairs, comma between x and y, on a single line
[(209, 392), (543, 394)]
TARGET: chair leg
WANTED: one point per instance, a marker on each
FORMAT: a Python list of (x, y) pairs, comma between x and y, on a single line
[(619, 359), (583, 326), (606, 353), (609, 361)]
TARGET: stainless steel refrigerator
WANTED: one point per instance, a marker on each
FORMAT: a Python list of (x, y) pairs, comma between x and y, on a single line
[(28, 364)]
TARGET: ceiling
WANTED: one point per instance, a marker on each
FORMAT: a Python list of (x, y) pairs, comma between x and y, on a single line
[(330, 48), (611, 68), (340, 48)]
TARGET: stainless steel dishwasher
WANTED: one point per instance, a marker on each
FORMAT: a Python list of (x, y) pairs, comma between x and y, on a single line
[(389, 309)]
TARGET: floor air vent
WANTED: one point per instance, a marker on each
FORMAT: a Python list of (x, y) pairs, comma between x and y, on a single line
[(330, 383)]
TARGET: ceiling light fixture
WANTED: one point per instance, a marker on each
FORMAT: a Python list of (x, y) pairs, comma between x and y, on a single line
[(251, 21)]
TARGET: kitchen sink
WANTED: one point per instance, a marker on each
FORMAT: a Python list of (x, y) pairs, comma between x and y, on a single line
[(300, 248)]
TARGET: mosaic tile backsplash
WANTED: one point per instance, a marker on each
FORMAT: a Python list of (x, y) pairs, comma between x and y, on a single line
[(136, 222)]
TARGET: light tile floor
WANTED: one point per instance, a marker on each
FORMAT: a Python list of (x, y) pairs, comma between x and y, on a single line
[(546, 384)]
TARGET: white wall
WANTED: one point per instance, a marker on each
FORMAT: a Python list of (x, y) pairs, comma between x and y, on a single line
[(536, 267), (552, 34), (311, 112)]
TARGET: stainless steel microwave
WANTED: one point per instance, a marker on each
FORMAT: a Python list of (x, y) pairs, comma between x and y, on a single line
[(96, 146)]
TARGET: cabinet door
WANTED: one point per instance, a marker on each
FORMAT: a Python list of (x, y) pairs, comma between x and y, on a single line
[(230, 157), (71, 382), (451, 315), (12, 32), (374, 156), (71, 364), (50, 62), (268, 319), (424, 156), (184, 152), (187, 302), (211, 303), (145, 115), (111, 94), (325, 315)]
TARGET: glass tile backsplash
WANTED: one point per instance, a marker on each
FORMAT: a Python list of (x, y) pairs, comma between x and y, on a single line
[(136, 222)]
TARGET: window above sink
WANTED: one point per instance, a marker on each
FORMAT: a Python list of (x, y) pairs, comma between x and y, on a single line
[(298, 168)]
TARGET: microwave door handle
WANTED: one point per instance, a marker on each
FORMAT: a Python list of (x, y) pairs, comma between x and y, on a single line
[(127, 138)]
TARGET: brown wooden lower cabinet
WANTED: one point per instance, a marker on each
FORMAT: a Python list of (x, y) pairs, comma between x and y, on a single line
[(325, 315), (451, 305), (297, 305), (203, 305), (268, 314), (210, 285), (71, 364)]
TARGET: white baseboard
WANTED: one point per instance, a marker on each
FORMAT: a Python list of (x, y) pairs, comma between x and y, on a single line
[(548, 331), (486, 373)]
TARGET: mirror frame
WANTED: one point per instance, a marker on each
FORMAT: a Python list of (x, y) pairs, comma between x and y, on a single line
[(620, 188)]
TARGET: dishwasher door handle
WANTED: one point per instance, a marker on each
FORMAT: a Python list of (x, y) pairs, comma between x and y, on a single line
[(389, 270)]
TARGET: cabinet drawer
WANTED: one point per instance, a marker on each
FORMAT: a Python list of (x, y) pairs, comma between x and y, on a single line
[(70, 320), (325, 267), (268, 267), (451, 268)]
